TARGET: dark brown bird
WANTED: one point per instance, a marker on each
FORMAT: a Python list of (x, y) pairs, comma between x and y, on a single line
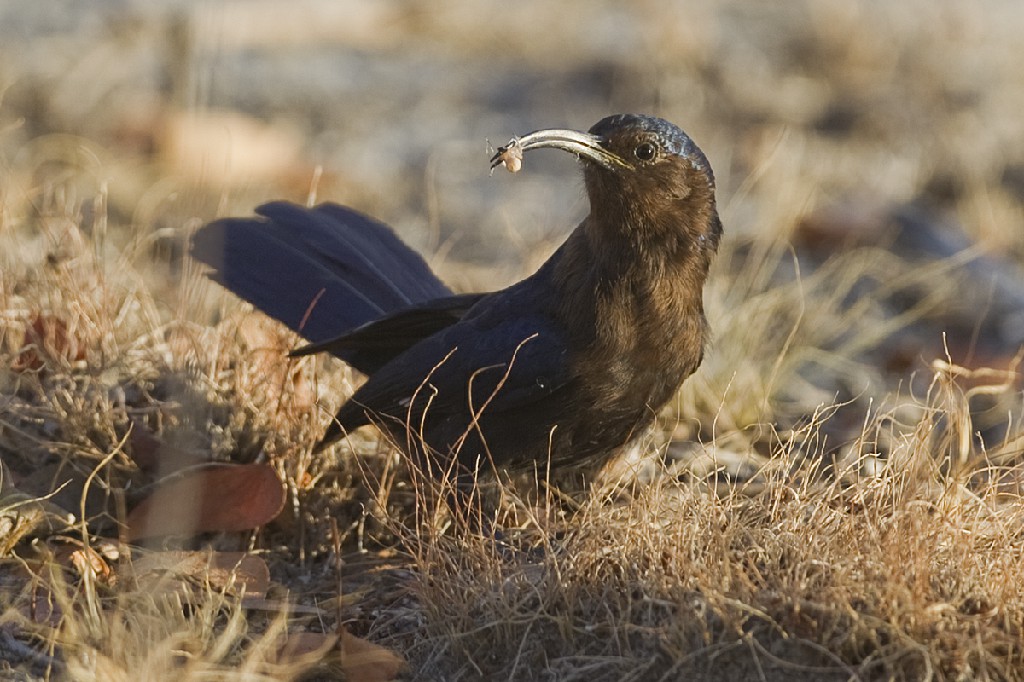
[(568, 365)]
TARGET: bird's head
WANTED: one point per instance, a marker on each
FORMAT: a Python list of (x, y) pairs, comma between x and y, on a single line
[(643, 175)]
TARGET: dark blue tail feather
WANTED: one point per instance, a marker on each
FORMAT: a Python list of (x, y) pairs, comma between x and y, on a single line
[(321, 271)]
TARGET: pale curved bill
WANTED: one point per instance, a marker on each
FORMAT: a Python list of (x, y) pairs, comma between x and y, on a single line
[(573, 141)]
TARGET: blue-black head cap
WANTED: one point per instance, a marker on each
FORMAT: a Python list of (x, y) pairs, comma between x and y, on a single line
[(671, 138)]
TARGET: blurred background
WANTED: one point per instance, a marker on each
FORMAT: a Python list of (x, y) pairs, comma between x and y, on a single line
[(173, 104), (833, 125)]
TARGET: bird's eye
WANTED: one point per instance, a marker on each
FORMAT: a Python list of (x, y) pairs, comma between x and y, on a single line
[(645, 151)]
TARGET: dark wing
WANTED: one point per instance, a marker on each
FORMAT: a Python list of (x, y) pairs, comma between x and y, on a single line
[(321, 271), (373, 345), (462, 370)]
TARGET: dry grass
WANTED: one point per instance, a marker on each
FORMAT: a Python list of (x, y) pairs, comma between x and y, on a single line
[(908, 570), (814, 506), (132, 633), (901, 559)]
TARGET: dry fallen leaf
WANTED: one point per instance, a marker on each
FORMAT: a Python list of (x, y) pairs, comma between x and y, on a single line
[(359, 659), (88, 562), (364, 661), (216, 497), (219, 570), (47, 335)]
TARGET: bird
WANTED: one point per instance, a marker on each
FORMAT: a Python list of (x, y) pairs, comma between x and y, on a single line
[(562, 369)]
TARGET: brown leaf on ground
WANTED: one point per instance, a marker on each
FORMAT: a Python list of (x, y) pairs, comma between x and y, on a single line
[(364, 661), (220, 570), (47, 336), (87, 562), (217, 497)]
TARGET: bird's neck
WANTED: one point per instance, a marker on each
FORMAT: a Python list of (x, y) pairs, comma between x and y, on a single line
[(631, 283), (650, 252)]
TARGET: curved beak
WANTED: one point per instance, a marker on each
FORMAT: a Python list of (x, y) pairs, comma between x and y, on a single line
[(584, 145)]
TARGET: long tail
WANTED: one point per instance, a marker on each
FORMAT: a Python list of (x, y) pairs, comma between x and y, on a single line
[(321, 271)]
